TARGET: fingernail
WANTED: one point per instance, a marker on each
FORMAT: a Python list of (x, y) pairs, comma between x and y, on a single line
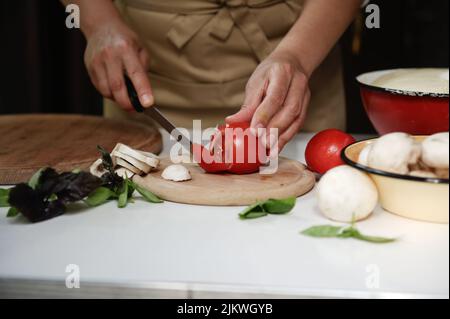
[(147, 100)]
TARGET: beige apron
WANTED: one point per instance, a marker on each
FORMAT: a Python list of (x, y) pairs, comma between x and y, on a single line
[(202, 53)]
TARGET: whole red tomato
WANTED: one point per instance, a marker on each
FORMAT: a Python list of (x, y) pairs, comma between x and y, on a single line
[(244, 159), (323, 151)]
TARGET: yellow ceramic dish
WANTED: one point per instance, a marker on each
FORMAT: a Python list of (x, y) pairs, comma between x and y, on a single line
[(413, 197)]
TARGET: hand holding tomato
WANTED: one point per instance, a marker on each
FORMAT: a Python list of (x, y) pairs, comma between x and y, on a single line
[(323, 151), (234, 149)]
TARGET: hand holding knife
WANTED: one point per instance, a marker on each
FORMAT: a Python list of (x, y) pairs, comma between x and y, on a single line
[(154, 113)]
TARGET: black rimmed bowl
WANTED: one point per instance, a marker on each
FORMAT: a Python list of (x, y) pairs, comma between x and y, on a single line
[(409, 111), (419, 198)]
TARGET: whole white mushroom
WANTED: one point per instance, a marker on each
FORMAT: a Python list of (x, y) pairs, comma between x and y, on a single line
[(435, 151), (394, 152), (345, 194)]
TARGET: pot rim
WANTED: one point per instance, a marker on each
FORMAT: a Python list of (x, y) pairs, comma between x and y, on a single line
[(363, 84), (375, 171)]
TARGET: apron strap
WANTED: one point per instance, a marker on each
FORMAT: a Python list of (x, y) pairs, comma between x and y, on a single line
[(224, 16)]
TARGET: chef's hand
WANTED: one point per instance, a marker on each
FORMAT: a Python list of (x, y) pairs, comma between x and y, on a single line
[(113, 49), (276, 96)]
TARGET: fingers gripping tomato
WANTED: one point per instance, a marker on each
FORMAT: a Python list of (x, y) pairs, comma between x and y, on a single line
[(234, 149)]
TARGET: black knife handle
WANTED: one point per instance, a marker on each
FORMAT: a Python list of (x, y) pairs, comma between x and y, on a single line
[(134, 98)]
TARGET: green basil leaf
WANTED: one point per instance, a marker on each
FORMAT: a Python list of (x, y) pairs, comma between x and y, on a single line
[(348, 232), (324, 231), (339, 232), (373, 239), (4, 196), (253, 215), (149, 196), (279, 206), (34, 180), (99, 196), (255, 208), (131, 188), (123, 196), (12, 212)]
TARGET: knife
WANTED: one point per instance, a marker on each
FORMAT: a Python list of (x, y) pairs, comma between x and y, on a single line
[(155, 114)]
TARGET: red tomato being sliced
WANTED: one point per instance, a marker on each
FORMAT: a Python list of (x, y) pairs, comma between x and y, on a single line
[(323, 151), (211, 163), (231, 139)]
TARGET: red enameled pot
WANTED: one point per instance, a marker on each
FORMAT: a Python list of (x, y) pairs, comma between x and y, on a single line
[(391, 110)]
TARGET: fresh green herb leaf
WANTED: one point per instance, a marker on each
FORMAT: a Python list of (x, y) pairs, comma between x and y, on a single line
[(34, 180), (349, 232), (373, 239), (12, 212), (99, 196), (149, 196), (279, 206), (253, 215), (251, 210), (123, 195), (270, 206), (4, 196), (324, 231), (131, 188), (329, 231)]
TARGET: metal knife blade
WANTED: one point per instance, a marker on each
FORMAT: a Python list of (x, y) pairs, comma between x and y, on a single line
[(155, 114)]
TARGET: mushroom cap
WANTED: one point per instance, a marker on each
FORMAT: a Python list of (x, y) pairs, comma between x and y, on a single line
[(435, 150), (176, 172), (345, 194), (394, 152), (363, 157)]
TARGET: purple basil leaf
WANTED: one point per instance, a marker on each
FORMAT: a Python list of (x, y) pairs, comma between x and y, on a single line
[(32, 204), (48, 183), (76, 186)]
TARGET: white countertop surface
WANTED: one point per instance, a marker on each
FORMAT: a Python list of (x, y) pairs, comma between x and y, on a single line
[(183, 251)]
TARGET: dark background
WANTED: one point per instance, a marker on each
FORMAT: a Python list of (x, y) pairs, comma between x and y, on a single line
[(43, 70)]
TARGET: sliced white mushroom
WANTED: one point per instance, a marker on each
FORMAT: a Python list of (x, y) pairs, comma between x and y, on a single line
[(176, 173), (124, 163), (345, 194), (145, 157), (97, 168), (394, 153), (124, 173), (144, 167), (435, 151)]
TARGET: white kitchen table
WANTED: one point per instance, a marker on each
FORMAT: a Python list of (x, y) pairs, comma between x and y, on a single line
[(171, 250)]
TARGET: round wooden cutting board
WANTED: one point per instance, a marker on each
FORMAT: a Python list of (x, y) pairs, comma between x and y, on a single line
[(64, 142), (291, 179)]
